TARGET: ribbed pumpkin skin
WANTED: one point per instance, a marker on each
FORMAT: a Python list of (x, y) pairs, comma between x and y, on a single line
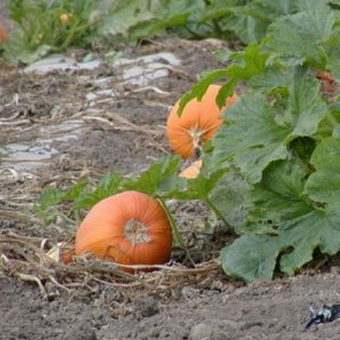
[(203, 116), (103, 232)]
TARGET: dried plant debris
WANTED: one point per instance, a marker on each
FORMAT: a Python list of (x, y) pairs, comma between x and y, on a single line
[(27, 259)]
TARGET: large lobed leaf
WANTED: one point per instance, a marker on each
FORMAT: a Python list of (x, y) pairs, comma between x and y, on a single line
[(258, 132), (302, 34), (246, 64), (282, 189), (150, 180), (301, 224), (324, 184), (251, 257)]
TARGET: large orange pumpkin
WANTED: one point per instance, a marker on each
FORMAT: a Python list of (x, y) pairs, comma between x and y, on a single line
[(198, 123), (127, 228)]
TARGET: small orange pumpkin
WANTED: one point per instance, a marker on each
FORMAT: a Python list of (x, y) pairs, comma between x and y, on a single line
[(325, 76), (193, 170), (198, 123), (3, 33), (128, 228)]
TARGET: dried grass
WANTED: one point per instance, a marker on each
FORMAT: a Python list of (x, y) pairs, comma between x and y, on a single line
[(26, 259)]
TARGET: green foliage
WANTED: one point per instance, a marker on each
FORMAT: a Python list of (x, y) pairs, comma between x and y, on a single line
[(258, 132), (271, 172), (47, 203), (248, 20), (245, 65), (258, 263), (288, 219), (138, 19), (149, 181), (332, 49), (324, 184), (312, 26), (80, 195), (108, 185), (279, 146), (45, 26)]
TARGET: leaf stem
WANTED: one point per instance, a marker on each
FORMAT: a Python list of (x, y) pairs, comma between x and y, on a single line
[(177, 235), (211, 205)]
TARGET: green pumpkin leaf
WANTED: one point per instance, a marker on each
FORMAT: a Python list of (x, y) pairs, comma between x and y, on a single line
[(231, 197), (324, 184), (108, 185), (149, 181), (332, 47), (251, 257), (258, 132), (300, 225), (198, 90), (316, 229), (312, 26), (196, 188), (251, 137), (249, 63), (246, 64)]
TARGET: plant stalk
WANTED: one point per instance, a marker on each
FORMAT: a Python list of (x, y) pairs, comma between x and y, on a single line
[(177, 235), (215, 210)]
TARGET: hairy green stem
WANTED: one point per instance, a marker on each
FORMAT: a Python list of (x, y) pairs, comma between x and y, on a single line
[(211, 205), (177, 235)]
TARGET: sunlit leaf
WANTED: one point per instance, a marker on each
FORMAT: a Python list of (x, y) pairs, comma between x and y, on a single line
[(257, 133), (149, 181), (198, 90), (324, 184), (108, 185), (310, 27)]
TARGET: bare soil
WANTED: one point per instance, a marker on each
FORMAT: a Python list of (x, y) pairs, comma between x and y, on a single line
[(53, 133)]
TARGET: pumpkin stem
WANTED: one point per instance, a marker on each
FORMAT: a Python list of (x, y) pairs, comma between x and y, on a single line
[(136, 232), (196, 134)]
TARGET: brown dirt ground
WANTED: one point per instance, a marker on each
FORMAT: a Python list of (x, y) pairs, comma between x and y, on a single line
[(124, 132)]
